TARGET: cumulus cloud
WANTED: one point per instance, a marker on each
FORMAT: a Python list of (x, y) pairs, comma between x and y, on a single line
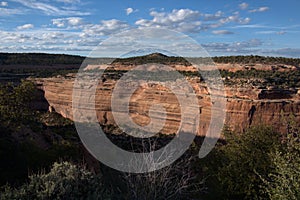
[(190, 21), (58, 22), (53, 35), (25, 26), (129, 11), (84, 41), (72, 33), (44, 41), (245, 20), (212, 17), (222, 32), (69, 21), (261, 9), (184, 20), (235, 18), (243, 6), (90, 31), (3, 3), (106, 27), (75, 21), (175, 16)]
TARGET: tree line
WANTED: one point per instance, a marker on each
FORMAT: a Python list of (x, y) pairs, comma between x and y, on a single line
[(52, 59)]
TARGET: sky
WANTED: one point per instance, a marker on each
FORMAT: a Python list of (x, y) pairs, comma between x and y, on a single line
[(264, 27)]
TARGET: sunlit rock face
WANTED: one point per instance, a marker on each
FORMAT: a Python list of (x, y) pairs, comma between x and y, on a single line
[(245, 105)]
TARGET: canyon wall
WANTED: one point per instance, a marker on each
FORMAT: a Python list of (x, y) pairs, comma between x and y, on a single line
[(245, 106)]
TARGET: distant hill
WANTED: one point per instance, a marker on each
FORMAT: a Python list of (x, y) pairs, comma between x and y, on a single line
[(43, 59), (151, 58), (39, 59), (254, 59), (249, 59)]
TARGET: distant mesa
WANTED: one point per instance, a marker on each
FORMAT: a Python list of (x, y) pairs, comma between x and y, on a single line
[(149, 62), (147, 51), (153, 55), (151, 58), (62, 61)]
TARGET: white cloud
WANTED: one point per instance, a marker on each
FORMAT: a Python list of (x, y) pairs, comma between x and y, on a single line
[(281, 32), (49, 9), (271, 32), (212, 17), (290, 52), (3, 3), (129, 11), (75, 21), (25, 26), (69, 1), (175, 16), (243, 47), (58, 22), (235, 18), (222, 32), (53, 35), (250, 26), (245, 20), (191, 21), (62, 41), (261, 9), (74, 32), (106, 27), (243, 6), (8, 11), (87, 30), (70, 21), (39, 40), (184, 20)]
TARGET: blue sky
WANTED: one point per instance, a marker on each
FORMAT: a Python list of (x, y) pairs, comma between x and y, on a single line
[(264, 27)]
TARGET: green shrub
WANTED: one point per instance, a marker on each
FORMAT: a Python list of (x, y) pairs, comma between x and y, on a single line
[(64, 181), (235, 168), (284, 182), (15, 101)]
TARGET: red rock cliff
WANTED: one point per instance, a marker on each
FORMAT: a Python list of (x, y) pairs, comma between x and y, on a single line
[(245, 106)]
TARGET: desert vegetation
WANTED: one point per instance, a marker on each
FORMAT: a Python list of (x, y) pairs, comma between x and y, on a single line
[(27, 143), (41, 156), (41, 59), (260, 163), (255, 59)]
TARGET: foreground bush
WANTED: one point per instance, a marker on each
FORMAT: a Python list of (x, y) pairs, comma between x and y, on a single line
[(258, 164), (235, 168), (15, 101), (181, 180), (68, 181), (64, 181), (284, 182)]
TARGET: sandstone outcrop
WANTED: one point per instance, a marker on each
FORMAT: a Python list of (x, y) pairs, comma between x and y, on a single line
[(245, 106)]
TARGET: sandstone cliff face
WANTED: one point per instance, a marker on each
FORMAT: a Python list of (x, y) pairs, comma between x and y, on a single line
[(245, 107)]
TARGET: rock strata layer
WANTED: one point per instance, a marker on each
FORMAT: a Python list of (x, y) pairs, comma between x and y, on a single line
[(245, 106)]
